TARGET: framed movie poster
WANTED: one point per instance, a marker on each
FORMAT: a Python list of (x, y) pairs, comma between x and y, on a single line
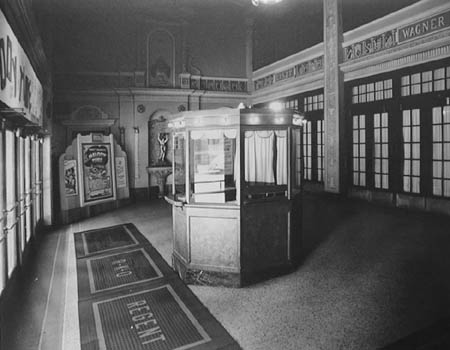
[(70, 177), (97, 172)]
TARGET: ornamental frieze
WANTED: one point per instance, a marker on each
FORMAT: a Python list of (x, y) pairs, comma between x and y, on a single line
[(369, 46), (313, 65)]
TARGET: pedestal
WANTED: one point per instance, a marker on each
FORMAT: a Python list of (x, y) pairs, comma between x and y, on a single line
[(161, 173)]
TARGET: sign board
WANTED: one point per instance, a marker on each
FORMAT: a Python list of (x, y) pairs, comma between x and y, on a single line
[(19, 85)]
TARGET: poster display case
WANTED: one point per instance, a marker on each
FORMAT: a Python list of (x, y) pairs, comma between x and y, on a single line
[(93, 172), (236, 194)]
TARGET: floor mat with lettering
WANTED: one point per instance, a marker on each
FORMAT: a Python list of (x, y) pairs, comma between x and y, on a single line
[(130, 298)]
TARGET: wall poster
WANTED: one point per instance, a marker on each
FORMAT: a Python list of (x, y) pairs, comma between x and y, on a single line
[(121, 172), (70, 177), (97, 172)]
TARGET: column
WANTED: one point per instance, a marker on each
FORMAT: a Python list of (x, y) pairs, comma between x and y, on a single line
[(249, 54), (333, 97)]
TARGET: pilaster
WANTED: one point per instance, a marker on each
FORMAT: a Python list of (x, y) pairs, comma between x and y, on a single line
[(333, 96)]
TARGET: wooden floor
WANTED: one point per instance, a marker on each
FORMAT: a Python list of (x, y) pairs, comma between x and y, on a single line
[(371, 276)]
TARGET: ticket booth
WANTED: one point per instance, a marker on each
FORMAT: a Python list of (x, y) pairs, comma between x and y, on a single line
[(236, 191)]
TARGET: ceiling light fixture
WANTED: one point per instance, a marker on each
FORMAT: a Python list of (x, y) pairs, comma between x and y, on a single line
[(265, 2)]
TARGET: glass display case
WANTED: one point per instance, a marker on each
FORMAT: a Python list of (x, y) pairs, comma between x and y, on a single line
[(236, 194)]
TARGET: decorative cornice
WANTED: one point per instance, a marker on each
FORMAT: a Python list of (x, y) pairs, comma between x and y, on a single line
[(96, 122), (426, 49), (309, 82)]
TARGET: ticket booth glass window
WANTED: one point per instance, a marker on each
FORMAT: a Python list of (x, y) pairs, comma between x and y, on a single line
[(213, 157), (179, 161)]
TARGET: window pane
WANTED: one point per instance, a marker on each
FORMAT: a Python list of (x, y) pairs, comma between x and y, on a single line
[(437, 133), (407, 117), (407, 167), (437, 187), (437, 115), (415, 185), (437, 151), (447, 151), (415, 133), (447, 170), (446, 114), (377, 181), (415, 116), (405, 80), (415, 78), (376, 120), (416, 167), (385, 181), (406, 184), (406, 134), (447, 188), (447, 132), (407, 150), (439, 73), (415, 89), (377, 150), (437, 169), (377, 166)]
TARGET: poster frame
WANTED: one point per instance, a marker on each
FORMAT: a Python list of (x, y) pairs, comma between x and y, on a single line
[(84, 142)]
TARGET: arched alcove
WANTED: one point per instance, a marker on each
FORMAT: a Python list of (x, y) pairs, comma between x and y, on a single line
[(157, 124), (161, 59)]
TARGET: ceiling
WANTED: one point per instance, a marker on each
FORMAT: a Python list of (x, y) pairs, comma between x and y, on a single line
[(280, 30), (355, 12)]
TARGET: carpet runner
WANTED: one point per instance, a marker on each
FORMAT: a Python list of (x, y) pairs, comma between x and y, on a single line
[(130, 298)]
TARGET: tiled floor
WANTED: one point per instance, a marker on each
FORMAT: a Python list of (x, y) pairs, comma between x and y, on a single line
[(370, 276)]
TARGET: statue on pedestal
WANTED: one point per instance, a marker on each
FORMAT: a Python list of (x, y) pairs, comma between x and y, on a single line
[(162, 139)]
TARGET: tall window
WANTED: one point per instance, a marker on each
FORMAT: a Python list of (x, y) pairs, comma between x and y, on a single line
[(307, 150), (411, 151), (359, 150), (320, 156), (441, 151), (381, 150)]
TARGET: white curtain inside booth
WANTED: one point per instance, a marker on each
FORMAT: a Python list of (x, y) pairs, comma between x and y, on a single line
[(258, 149)]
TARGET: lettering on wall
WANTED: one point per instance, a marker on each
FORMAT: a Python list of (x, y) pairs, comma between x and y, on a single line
[(19, 85), (369, 46), (423, 27)]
